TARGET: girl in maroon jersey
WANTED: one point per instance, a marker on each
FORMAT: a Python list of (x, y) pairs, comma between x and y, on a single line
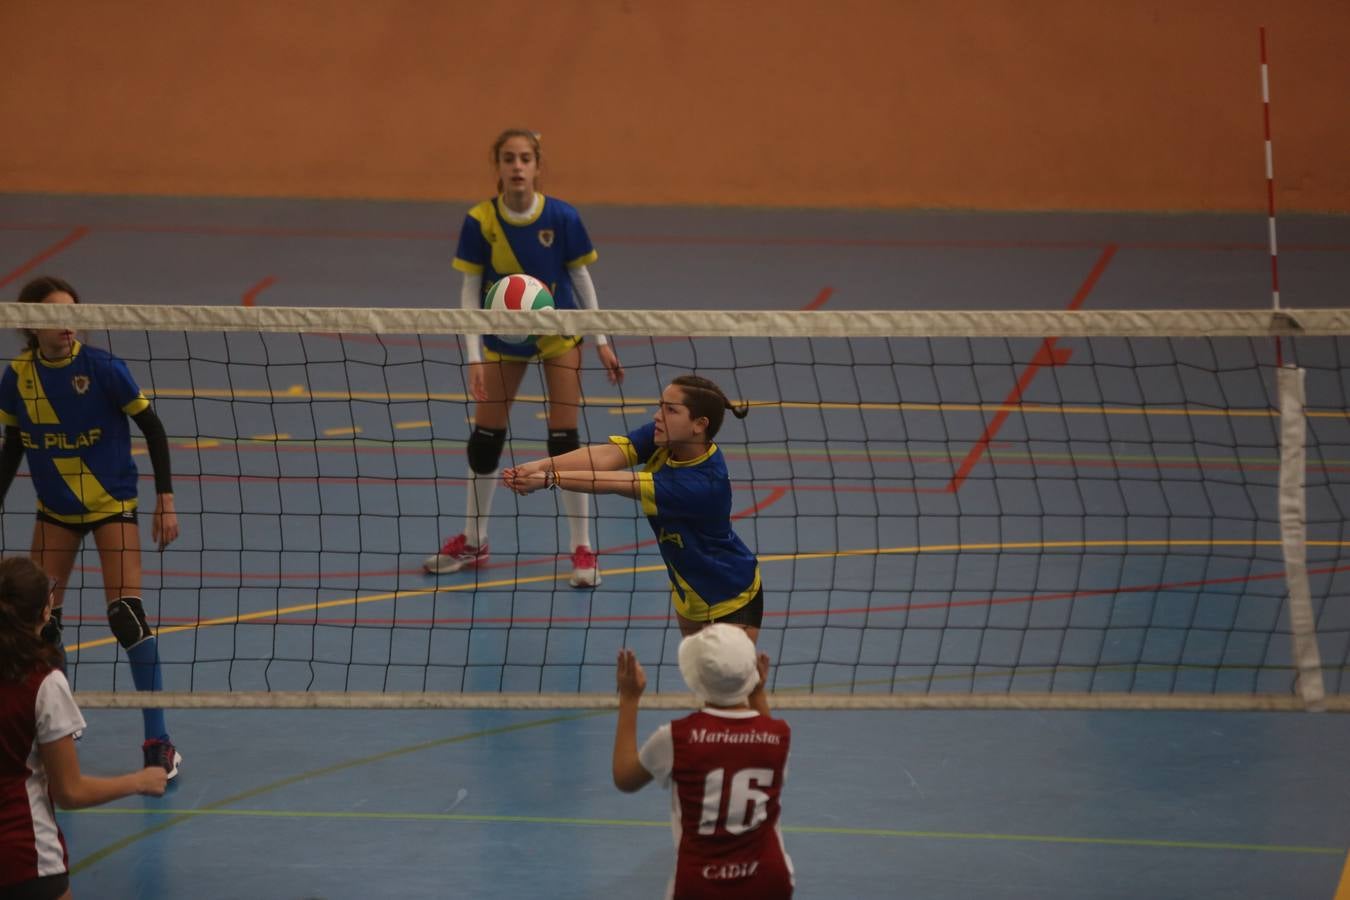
[(38, 718), (725, 765)]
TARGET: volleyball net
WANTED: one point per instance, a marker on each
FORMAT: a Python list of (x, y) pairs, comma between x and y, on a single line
[(972, 509)]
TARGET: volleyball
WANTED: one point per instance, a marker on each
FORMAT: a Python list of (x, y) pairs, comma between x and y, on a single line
[(518, 293)]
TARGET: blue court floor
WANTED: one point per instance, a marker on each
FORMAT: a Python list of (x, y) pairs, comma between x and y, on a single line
[(499, 804)]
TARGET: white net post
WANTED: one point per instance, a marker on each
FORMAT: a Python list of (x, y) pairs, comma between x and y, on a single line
[(1294, 533)]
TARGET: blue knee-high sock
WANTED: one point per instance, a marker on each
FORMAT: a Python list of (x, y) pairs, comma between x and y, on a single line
[(145, 672)]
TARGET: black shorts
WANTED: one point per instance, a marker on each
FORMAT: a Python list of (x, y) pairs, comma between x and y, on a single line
[(749, 615), (48, 887), (83, 528)]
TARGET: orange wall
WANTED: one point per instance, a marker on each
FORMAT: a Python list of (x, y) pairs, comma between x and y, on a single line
[(995, 104)]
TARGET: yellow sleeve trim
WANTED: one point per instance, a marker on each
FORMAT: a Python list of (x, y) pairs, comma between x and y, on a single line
[(624, 444), (7, 419), (584, 260), (647, 493), (461, 265), (137, 406)]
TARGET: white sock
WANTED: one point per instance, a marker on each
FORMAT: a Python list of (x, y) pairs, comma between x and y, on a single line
[(478, 507), (578, 507)]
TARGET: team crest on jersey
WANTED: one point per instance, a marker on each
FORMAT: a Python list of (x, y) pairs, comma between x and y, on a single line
[(546, 236), (80, 383)]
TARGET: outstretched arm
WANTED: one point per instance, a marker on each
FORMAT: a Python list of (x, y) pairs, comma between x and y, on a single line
[(591, 470), (595, 458), (625, 484), (629, 775)]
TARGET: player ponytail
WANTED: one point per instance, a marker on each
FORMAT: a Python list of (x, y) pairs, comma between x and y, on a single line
[(706, 400), (23, 598), (36, 291)]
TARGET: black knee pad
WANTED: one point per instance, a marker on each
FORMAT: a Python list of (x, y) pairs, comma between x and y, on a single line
[(485, 449), (564, 440), (127, 619)]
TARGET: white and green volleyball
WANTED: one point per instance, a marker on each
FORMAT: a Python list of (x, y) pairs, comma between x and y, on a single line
[(518, 292)]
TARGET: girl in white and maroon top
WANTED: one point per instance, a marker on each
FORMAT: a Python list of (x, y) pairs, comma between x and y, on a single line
[(725, 764), (38, 765)]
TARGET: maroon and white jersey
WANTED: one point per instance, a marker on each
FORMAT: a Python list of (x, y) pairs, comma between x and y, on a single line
[(36, 710), (726, 770)]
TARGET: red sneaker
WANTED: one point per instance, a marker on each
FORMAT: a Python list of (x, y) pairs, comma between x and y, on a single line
[(585, 568), (455, 555)]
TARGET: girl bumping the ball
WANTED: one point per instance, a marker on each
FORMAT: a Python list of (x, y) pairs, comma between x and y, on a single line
[(685, 491), (523, 231)]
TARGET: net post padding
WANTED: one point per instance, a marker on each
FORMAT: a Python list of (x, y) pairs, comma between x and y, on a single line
[(786, 700), (1294, 534)]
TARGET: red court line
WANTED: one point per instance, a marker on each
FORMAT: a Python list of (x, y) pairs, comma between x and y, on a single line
[(821, 299), (1046, 356), (251, 295), (74, 235)]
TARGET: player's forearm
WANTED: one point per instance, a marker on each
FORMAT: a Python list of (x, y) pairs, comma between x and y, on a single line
[(157, 444), (626, 760), (471, 297), (595, 458), (625, 484), (90, 790), (583, 288)]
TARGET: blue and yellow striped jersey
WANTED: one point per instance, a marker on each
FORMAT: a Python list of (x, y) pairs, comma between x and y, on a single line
[(712, 572), (547, 246), (72, 418)]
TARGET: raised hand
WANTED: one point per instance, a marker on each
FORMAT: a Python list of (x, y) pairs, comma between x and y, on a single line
[(629, 676)]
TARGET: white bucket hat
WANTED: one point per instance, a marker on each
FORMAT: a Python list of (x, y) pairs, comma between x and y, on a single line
[(719, 665)]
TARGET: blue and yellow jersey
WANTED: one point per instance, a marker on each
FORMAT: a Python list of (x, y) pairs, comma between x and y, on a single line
[(712, 572), (544, 247), (72, 418)]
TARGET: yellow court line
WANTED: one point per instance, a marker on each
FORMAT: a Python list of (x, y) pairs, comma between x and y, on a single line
[(270, 437), (337, 432), (278, 612), (629, 403), (402, 426)]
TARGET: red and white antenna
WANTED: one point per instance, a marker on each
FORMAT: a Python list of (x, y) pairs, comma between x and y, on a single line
[(1270, 178), (1270, 197)]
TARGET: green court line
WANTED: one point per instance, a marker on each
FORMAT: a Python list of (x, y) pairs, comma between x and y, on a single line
[(181, 816), (792, 829)]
